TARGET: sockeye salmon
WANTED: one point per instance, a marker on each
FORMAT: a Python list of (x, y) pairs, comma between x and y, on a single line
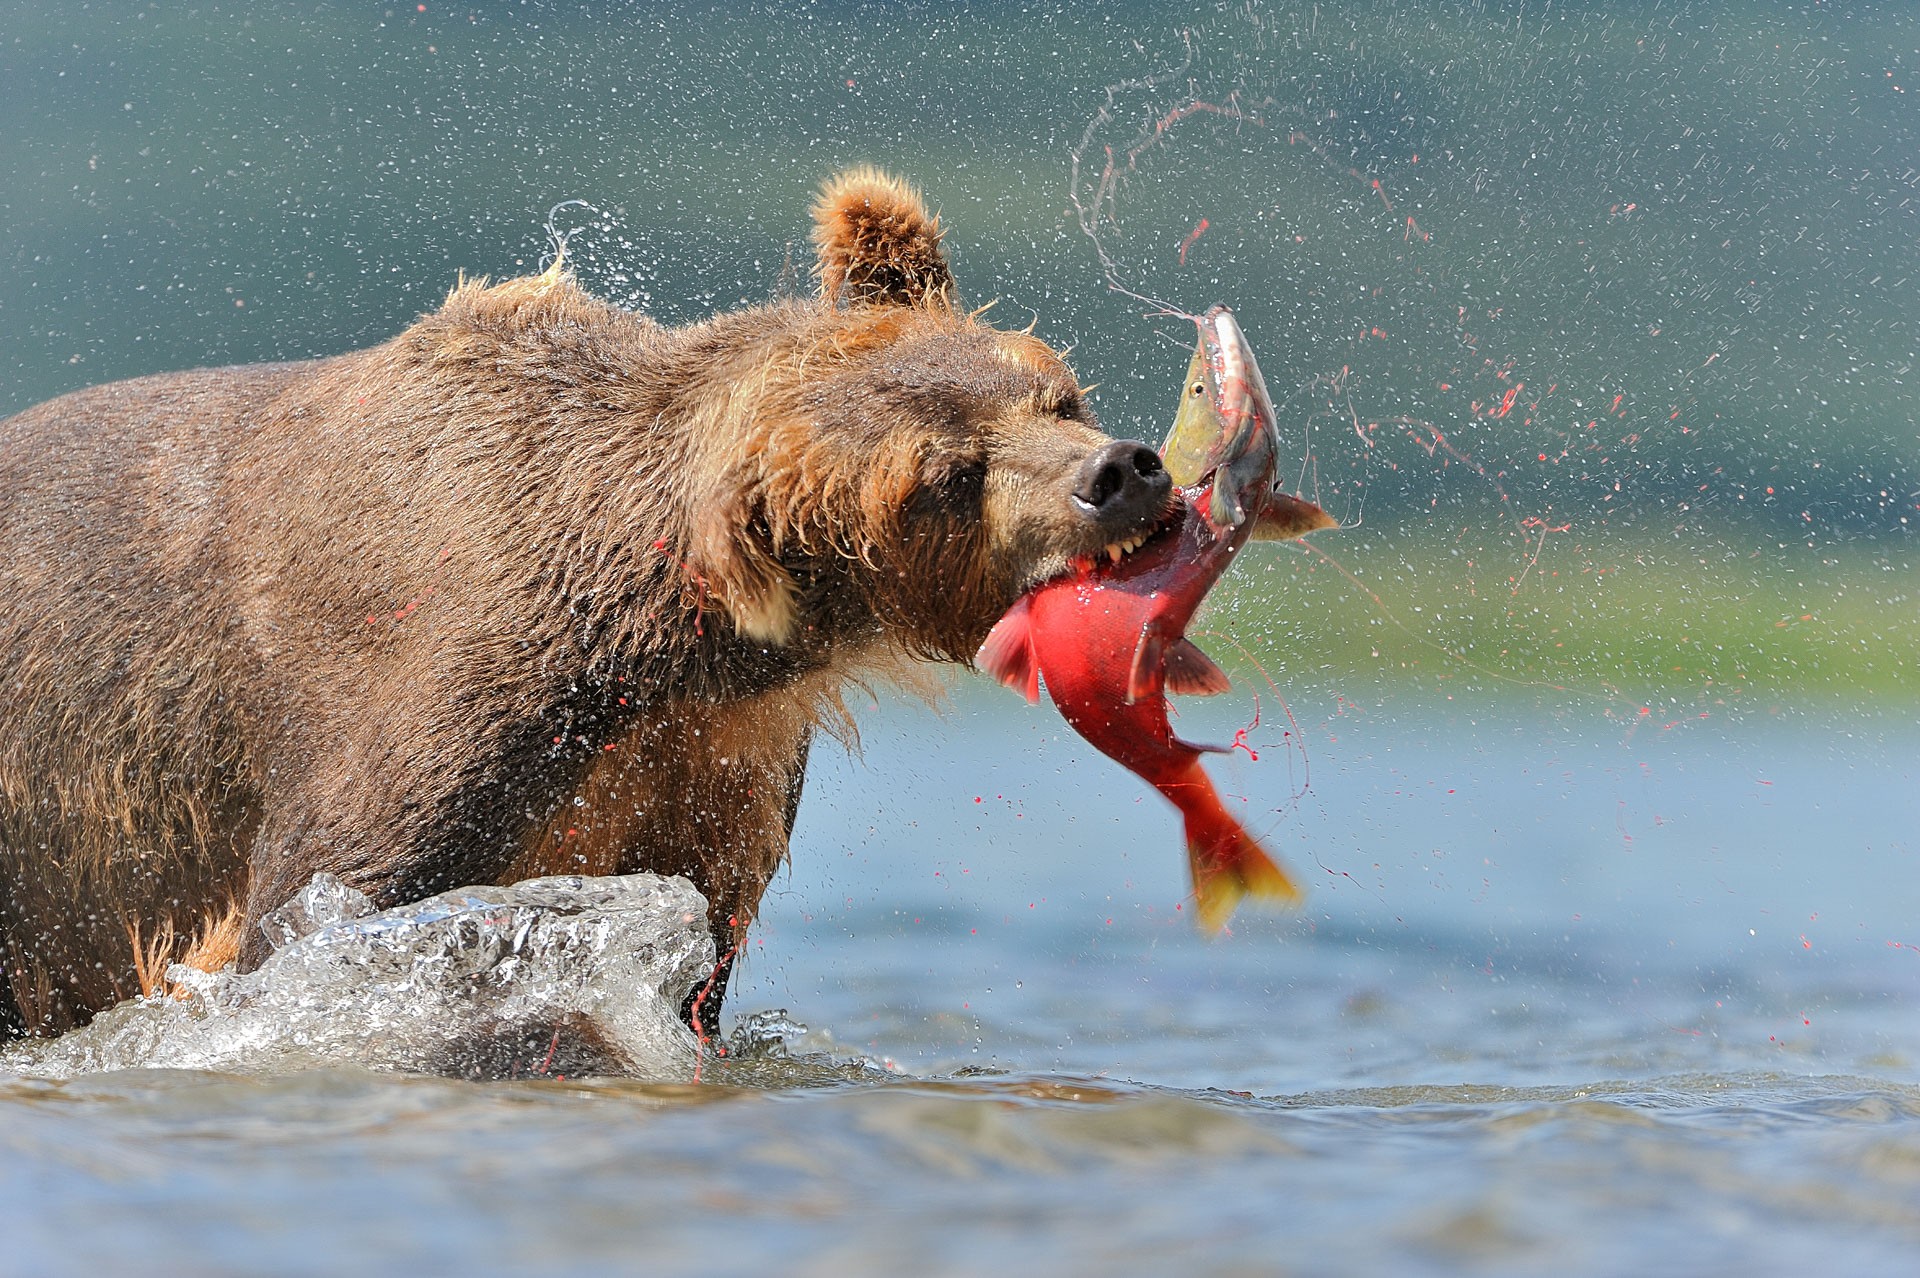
[(1109, 638)]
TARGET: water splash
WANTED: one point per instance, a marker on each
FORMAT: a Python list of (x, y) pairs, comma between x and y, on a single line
[(771, 1050), (553, 977)]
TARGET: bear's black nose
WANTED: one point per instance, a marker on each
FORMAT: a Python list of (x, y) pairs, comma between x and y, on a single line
[(1122, 481)]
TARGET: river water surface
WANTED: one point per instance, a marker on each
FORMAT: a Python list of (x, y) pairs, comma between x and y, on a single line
[(1563, 994)]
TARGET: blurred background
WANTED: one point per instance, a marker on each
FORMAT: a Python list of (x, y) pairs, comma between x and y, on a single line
[(1595, 323)]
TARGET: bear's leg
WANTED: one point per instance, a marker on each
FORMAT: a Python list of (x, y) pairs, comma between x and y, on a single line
[(12, 1024), (708, 791), (397, 834), (700, 1010), (53, 982), (65, 949), (739, 864)]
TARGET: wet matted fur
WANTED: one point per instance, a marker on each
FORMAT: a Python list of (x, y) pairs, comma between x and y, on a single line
[(538, 585)]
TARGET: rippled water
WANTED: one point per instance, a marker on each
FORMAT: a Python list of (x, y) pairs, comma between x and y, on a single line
[(1564, 996), (334, 1172)]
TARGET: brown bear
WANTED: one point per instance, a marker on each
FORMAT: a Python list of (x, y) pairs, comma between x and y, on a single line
[(538, 586)]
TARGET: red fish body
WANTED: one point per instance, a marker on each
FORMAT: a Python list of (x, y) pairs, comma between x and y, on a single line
[(1110, 642), (1109, 638)]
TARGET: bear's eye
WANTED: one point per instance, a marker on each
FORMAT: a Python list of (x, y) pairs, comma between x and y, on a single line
[(1068, 405), (953, 485), (967, 478)]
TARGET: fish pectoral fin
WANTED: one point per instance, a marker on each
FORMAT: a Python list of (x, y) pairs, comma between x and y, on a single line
[(1149, 672), (1201, 747), (1192, 673), (1284, 517), (1224, 510), (1008, 654)]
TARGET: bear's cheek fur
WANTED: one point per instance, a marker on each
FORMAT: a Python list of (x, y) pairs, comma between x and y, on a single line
[(1034, 525)]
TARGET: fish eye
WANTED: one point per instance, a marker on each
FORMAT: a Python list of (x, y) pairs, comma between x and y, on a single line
[(1199, 388)]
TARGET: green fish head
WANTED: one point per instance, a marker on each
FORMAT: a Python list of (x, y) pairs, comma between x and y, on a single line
[(1224, 429)]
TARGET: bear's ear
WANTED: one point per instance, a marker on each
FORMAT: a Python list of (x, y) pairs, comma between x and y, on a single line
[(878, 244)]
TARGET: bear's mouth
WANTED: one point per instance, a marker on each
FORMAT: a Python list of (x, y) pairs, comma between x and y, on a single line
[(1116, 551), (1113, 553)]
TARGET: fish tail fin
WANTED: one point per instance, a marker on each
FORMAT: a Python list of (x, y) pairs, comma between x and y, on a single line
[(1228, 864)]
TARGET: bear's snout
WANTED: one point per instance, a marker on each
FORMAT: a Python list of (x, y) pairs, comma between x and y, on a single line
[(1123, 483)]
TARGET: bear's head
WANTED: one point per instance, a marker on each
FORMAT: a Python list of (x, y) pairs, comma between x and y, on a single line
[(911, 455)]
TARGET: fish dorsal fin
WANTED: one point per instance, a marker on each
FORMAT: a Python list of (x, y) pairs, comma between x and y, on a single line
[(1192, 673), (1284, 517), (1149, 673), (1007, 654)]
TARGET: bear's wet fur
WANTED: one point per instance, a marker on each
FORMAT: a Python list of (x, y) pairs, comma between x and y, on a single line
[(537, 586)]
